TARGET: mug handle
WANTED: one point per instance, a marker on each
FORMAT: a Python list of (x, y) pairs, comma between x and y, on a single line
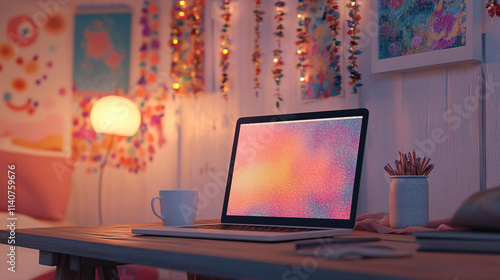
[(153, 207)]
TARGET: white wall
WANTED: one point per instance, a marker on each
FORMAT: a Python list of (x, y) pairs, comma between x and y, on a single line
[(404, 108)]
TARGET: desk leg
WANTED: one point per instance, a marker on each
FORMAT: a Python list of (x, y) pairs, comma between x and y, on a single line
[(73, 267), (63, 270), (108, 273)]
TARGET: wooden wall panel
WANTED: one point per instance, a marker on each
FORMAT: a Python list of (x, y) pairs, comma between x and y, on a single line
[(206, 126), (492, 124), (432, 143), (492, 102), (462, 158)]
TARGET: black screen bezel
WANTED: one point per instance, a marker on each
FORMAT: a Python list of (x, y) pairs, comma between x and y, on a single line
[(307, 222)]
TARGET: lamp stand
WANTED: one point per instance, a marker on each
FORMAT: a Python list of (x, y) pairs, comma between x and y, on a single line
[(99, 187)]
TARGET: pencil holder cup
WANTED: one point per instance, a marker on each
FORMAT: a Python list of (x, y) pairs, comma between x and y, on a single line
[(408, 201)]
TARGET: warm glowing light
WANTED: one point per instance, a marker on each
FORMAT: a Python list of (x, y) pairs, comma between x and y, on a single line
[(181, 14), (175, 41), (114, 114), (299, 15), (184, 66), (302, 79), (182, 3), (299, 52), (226, 89), (353, 3), (275, 59), (225, 51), (176, 85)]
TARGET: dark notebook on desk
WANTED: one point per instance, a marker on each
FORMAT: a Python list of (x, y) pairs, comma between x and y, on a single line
[(459, 241), (291, 176)]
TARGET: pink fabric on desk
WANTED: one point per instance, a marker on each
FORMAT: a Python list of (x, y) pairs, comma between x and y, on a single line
[(379, 222)]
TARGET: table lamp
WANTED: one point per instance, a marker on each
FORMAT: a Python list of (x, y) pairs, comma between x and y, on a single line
[(113, 115)]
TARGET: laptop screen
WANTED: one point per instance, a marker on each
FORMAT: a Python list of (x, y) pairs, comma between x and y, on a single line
[(301, 166)]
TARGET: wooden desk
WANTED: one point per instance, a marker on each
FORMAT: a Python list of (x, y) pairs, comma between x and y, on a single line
[(77, 251)]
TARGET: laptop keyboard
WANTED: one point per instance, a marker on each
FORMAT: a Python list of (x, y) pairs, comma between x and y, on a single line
[(253, 228)]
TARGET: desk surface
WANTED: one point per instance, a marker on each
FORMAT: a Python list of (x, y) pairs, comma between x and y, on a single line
[(233, 259)]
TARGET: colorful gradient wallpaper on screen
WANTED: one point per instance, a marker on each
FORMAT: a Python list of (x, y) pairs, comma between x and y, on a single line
[(301, 169)]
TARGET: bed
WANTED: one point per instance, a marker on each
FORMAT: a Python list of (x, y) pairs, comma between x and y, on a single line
[(40, 199)]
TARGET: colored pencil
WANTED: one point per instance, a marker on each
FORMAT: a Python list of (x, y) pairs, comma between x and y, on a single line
[(410, 164)]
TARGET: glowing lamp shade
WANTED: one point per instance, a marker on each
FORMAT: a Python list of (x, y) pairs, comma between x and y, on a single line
[(115, 115)]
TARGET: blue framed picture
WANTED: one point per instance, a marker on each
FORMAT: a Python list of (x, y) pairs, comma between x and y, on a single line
[(101, 60)]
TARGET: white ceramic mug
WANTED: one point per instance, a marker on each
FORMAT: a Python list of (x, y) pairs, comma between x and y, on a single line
[(178, 207)]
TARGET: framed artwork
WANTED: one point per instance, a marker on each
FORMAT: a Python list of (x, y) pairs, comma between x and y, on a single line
[(414, 34), (322, 77), (102, 50)]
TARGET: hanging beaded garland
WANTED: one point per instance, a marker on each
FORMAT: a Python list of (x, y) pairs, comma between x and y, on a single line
[(302, 44), (197, 72), (256, 56), (353, 31), (150, 44), (333, 20), (278, 53), (187, 43), (225, 48)]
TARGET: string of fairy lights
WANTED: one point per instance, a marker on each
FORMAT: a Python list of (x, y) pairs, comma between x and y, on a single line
[(187, 43), (177, 15), (197, 71), (302, 43), (225, 46), (185, 14)]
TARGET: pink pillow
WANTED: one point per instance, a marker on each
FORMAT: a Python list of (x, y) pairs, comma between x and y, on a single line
[(43, 184)]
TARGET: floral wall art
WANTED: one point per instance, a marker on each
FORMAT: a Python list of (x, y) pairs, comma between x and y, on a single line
[(33, 88), (417, 34), (410, 27), (327, 49), (102, 43)]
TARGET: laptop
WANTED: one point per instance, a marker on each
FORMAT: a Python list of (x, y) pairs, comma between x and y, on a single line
[(291, 176)]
